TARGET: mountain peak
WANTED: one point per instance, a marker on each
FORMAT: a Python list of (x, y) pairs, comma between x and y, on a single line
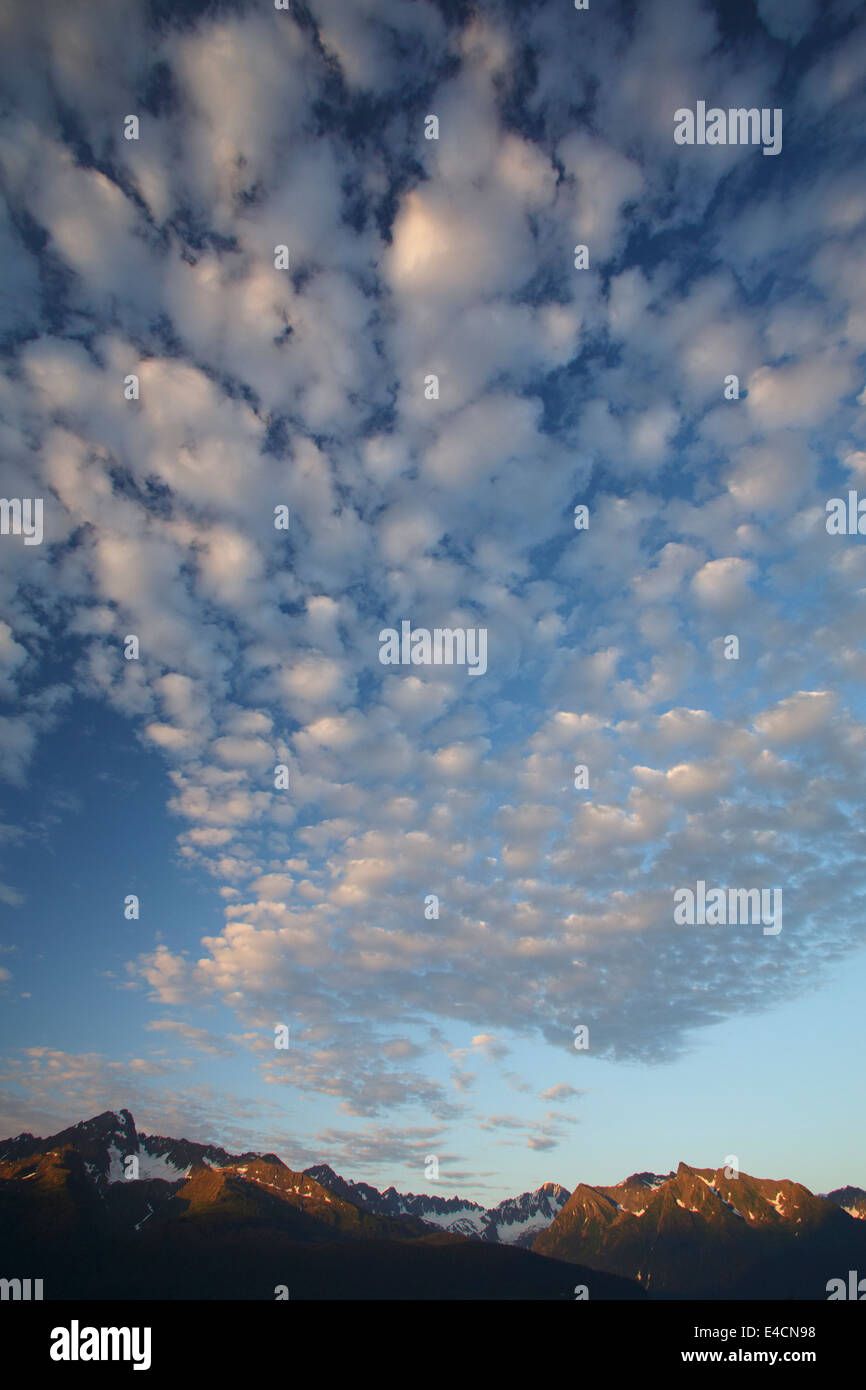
[(646, 1179), (322, 1170), (111, 1124)]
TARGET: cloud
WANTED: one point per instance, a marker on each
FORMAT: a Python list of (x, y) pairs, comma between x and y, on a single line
[(796, 718), (789, 20), (305, 388), (723, 584), (198, 1038), (561, 1091)]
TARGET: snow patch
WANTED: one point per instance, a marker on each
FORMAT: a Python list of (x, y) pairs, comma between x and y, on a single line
[(776, 1202), (508, 1234), (149, 1166), (116, 1170), (149, 1212), (463, 1221), (152, 1167)]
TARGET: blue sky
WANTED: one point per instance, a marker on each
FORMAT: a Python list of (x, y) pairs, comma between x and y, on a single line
[(261, 387)]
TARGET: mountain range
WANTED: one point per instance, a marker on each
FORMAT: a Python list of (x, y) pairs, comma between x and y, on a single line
[(101, 1209), (698, 1233), (514, 1221)]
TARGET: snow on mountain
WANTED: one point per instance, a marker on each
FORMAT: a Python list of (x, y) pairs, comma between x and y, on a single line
[(108, 1142), (148, 1166), (850, 1199), (705, 1233), (463, 1219), (514, 1221), (518, 1220), (547, 1220)]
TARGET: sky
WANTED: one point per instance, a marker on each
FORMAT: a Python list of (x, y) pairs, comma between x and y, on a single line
[(603, 385)]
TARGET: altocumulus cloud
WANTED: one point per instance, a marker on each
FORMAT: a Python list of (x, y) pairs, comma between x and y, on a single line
[(306, 388)]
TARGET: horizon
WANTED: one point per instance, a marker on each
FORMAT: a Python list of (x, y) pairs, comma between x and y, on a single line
[(386, 1186)]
